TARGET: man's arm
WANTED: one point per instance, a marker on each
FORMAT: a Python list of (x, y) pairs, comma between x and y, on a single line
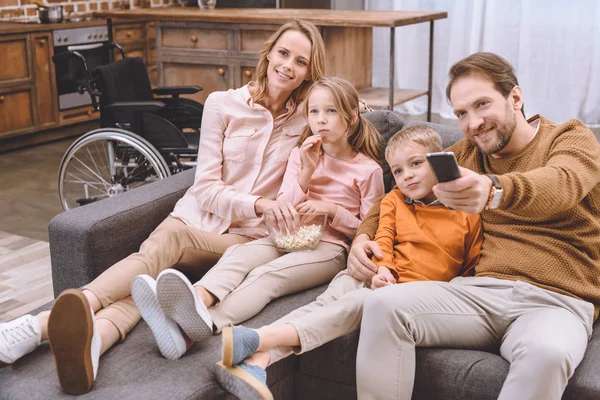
[(360, 266), (571, 170)]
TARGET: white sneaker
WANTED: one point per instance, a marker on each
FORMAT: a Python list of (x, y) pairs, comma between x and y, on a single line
[(19, 337), (179, 300), (74, 341), (169, 338)]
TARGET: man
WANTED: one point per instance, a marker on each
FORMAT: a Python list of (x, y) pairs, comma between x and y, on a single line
[(536, 289)]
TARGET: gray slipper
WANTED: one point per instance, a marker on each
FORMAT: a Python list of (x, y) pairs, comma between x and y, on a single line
[(246, 382), (239, 343)]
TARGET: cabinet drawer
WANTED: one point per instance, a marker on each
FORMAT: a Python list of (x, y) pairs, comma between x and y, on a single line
[(151, 30), (251, 41), (248, 74), (76, 115), (16, 111), (15, 64), (132, 51), (127, 33), (198, 38), (212, 77)]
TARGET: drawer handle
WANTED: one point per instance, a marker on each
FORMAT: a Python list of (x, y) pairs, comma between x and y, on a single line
[(1, 99), (129, 34), (42, 42), (194, 39), (90, 112), (221, 71), (247, 73)]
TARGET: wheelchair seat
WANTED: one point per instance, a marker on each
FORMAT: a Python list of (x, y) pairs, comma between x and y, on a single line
[(126, 81)]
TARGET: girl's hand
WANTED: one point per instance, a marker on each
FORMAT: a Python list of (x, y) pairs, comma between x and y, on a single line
[(283, 214), (383, 278), (317, 206), (310, 151)]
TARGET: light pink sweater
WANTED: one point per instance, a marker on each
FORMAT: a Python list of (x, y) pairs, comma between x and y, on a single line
[(352, 185), (242, 156)]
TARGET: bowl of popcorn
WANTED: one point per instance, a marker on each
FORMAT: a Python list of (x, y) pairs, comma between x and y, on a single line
[(306, 234)]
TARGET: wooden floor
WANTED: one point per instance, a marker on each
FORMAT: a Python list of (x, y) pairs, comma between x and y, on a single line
[(25, 275)]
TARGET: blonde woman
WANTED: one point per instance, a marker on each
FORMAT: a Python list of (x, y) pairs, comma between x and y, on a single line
[(246, 138)]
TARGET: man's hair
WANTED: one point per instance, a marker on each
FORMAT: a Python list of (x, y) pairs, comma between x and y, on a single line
[(491, 66), (419, 134)]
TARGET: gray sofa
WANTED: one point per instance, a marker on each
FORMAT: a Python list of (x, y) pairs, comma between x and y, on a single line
[(86, 241)]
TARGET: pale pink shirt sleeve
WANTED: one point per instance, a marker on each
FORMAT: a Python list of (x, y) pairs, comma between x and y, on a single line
[(371, 190), (211, 193), (290, 191)]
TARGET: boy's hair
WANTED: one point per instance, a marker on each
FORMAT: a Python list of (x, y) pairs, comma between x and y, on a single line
[(490, 65), (362, 136), (419, 134), (316, 62)]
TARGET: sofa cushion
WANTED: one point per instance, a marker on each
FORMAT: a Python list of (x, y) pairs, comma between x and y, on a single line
[(135, 369), (450, 134), (444, 373)]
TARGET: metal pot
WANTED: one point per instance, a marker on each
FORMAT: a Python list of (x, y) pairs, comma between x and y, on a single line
[(50, 14)]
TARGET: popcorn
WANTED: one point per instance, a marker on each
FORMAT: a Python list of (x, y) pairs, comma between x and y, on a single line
[(306, 238)]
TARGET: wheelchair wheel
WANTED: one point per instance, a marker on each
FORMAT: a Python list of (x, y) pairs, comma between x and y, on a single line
[(105, 162)]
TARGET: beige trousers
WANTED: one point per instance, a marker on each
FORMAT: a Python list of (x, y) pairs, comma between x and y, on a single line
[(542, 334), (336, 312), (172, 244), (251, 275)]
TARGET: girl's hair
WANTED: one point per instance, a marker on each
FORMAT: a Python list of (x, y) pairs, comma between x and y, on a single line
[(419, 134), (362, 136), (316, 62)]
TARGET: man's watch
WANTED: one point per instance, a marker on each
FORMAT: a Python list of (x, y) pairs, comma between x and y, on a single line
[(496, 193)]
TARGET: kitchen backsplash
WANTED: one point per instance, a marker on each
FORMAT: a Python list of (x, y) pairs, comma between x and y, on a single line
[(26, 11)]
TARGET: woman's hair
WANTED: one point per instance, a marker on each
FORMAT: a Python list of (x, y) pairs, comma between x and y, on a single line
[(316, 63), (362, 136), (491, 66), (419, 134)]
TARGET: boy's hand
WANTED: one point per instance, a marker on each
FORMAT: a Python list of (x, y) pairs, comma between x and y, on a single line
[(383, 278)]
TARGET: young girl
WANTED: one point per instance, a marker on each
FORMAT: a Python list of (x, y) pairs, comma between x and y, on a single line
[(334, 170)]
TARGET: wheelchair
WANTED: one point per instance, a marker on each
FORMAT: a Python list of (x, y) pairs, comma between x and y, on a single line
[(142, 138)]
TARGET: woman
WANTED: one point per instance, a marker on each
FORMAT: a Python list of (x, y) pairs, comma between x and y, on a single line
[(246, 138)]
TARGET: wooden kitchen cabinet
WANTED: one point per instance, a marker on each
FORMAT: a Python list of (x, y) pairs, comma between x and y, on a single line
[(27, 88), (45, 87), (16, 111), (213, 56), (15, 61)]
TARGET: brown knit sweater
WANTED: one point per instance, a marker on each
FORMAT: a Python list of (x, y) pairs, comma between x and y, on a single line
[(547, 228)]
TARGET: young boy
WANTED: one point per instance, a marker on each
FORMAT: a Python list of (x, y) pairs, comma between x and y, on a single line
[(420, 239)]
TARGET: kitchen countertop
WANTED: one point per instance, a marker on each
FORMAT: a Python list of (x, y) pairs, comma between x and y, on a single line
[(7, 28), (354, 18), (16, 27)]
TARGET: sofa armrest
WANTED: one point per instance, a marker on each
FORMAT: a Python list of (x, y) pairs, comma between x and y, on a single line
[(85, 241)]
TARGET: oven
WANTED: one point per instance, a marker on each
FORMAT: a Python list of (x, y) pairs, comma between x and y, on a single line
[(70, 75)]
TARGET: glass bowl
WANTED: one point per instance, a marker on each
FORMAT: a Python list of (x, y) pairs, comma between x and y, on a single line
[(306, 236)]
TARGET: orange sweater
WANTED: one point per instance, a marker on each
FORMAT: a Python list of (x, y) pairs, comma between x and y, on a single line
[(421, 242)]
